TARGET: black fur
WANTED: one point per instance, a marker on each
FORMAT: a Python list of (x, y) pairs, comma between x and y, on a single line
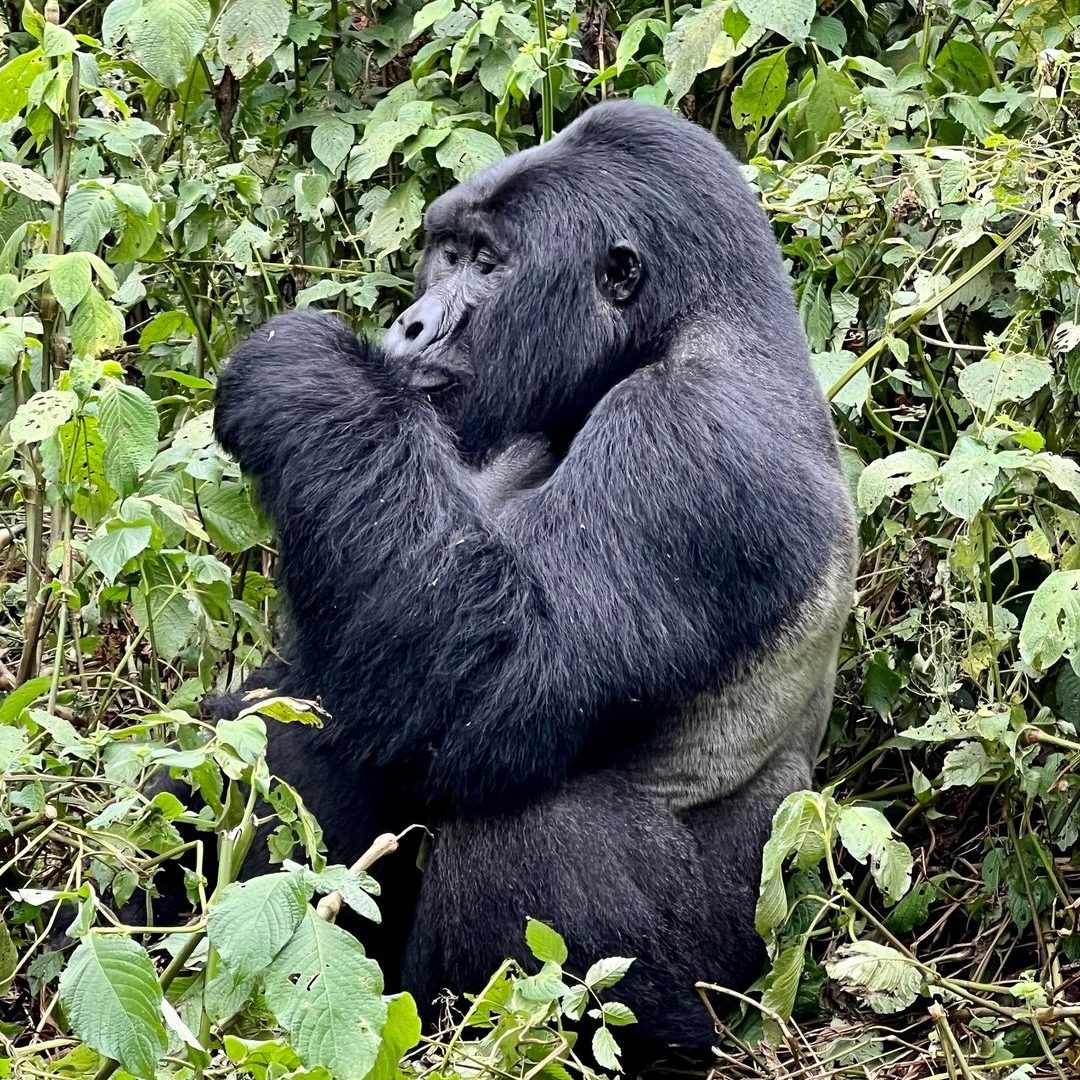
[(495, 654)]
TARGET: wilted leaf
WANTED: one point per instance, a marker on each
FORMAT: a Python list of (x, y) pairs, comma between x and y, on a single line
[(878, 975)]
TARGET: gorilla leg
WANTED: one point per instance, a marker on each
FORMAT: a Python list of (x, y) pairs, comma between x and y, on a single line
[(617, 873)]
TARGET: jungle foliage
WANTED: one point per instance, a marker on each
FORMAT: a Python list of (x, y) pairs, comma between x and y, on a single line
[(174, 171)]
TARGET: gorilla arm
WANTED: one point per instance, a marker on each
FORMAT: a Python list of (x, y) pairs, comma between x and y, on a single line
[(505, 641)]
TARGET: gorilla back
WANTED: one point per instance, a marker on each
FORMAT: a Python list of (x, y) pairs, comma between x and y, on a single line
[(596, 669)]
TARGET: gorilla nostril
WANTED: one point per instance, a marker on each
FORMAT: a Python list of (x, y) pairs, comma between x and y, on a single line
[(413, 331)]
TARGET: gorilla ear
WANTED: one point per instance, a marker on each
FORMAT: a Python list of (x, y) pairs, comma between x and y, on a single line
[(621, 273)]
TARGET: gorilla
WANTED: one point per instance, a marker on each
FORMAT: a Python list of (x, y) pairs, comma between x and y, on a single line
[(567, 560)]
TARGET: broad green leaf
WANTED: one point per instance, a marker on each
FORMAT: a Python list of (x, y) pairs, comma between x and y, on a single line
[(430, 14), (16, 78), (968, 478), (249, 31), (696, 43), (230, 518), (607, 972), (114, 21), (12, 745), (878, 975), (466, 151), (965, 765), (69, 276), (166, 36), (832, 93), (631, 39), (245, 737), (789, 18), (1014, 377), (606, 1050), (885, 477), (328, 996), (1062, 472), (866, 834), (544, 943), (356, 890), (30, 184), (798, 829), (97, 326), (165, 325), (129, 422), (761, 91), (110, 551), (111, 995), (254, 920), (782, 982), (42, 416), (399, 1035), (161, 606), (1051, 627), (331, 141), (22, 697), (90, 213)]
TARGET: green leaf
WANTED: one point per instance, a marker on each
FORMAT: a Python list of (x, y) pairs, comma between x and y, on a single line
[(832, 92), (42, 416), (866, 834), (166, 36), (22, 697), (97, 326), (249, 31), (885, 477), (617, 1014), (697, 42), (965, 765), (782, 982), (111, 995), (430, 14), (606, 1050), (878, 975), (607, 972), (29, 184), (466, 151), (1051, 627), (129, 422), (761, 91), (16, 78), (327, 995), (230, 518), (70, 276), (545, 943), (254, 920), (356, 889), (789, 18), (400, 1034), (1014, 377), (111, 551), (331, 141), (968, 478), (90, 213)]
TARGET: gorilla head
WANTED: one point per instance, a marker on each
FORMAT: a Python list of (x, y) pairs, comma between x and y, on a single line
[(550, 276)]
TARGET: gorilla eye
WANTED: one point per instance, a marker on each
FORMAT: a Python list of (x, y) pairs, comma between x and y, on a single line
[(451, 256), (485, 266)]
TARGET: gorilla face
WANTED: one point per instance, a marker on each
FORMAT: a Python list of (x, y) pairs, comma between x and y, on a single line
[(512, 323)]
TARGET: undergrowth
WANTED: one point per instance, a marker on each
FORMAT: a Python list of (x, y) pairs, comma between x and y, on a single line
[(174, 171)]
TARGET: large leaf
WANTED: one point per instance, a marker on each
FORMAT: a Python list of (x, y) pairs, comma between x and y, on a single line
[(698, 42), (30, 184), (249, 31), (544, 943), (129, 422), (1051, 627), (878, 975), (331, 141), (230, 518), (328, 996), (761, 91), (42, 416), (69, 276), (789, 18), (1012, 378), (97, 326), (466, 151), (886, 476), (968, 478), (866, 833), (166, 36), (111, 551), (110, 992), (254, 920)]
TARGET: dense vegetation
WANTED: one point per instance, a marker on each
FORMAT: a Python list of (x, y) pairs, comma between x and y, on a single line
[(173, 171)]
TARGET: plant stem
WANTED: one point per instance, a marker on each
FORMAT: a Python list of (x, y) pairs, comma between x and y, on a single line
[(547, 92)]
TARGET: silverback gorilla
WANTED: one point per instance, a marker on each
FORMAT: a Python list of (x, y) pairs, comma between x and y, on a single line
[(567, 561)]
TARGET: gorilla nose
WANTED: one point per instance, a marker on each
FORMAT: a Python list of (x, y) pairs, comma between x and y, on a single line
[(415, 329)]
